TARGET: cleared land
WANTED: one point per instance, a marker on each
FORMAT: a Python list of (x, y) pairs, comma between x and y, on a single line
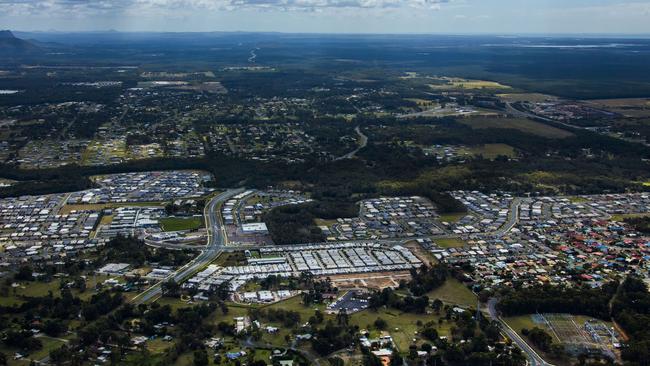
[(454, 292), (629, 107), (522, 124), (466, 84), (181, 223)]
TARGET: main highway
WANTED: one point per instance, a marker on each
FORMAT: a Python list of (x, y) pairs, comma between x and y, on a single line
[(217, 240)]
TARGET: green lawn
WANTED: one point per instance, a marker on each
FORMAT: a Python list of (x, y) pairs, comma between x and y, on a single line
[(158, 345), (323, 222), (450, 243), (38, 289), (452, 217), (454, 292), (295, 304), (49, 344), (181, 223), (175, 303), (10, 300), (517, 323)]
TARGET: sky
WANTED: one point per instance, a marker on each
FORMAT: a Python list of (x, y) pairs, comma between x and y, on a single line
[(332, 16)]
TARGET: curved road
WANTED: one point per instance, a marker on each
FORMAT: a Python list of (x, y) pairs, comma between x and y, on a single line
[(217, 239), (513, 218), (363, 141)]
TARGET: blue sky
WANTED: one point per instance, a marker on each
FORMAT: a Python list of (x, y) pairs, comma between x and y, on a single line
[(331, 16)]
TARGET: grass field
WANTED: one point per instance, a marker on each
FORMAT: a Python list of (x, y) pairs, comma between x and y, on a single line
[(295, 304), (492, 151), (323, 222), (455, 293), (621, 217), (401, 326), (37, 288), (452, 217), (522, 124), (450, 242), (181, 223), (578, 199), (467, 84), (423, 102), (517, 323)]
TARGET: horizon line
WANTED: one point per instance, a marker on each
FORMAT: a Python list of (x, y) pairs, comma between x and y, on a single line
[(539, 34)]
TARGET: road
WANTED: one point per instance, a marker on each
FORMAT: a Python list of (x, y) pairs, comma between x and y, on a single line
[(513, 218), (534, 359), (217, 239), (363, 141)]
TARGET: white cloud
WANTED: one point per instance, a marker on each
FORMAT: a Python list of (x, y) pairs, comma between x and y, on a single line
[(34, 7)]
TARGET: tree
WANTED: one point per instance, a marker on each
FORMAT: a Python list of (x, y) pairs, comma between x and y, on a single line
[(342, 317), (430, 334), (24, 273), (200, 357), (369, 359), (539, 338), (396, 359), (380, 324), (336, 361), (436, 305), (170, 288), (54, 328)]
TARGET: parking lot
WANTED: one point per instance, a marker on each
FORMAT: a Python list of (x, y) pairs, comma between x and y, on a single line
[(350, 302)]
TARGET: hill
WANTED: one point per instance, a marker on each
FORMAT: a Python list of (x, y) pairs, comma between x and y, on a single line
[(9, 43)]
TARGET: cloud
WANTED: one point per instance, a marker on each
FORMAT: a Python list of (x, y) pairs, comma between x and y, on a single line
[(94, 6)]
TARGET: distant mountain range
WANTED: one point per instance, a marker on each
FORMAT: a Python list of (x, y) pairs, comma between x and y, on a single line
[(9, 43)]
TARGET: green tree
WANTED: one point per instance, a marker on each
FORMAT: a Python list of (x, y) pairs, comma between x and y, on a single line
[(201, 357)]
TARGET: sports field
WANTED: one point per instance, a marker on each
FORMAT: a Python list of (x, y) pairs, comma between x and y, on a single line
[(181, 223)]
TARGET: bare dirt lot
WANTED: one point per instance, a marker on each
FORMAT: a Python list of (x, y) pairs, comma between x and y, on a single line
[(377, 280)]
